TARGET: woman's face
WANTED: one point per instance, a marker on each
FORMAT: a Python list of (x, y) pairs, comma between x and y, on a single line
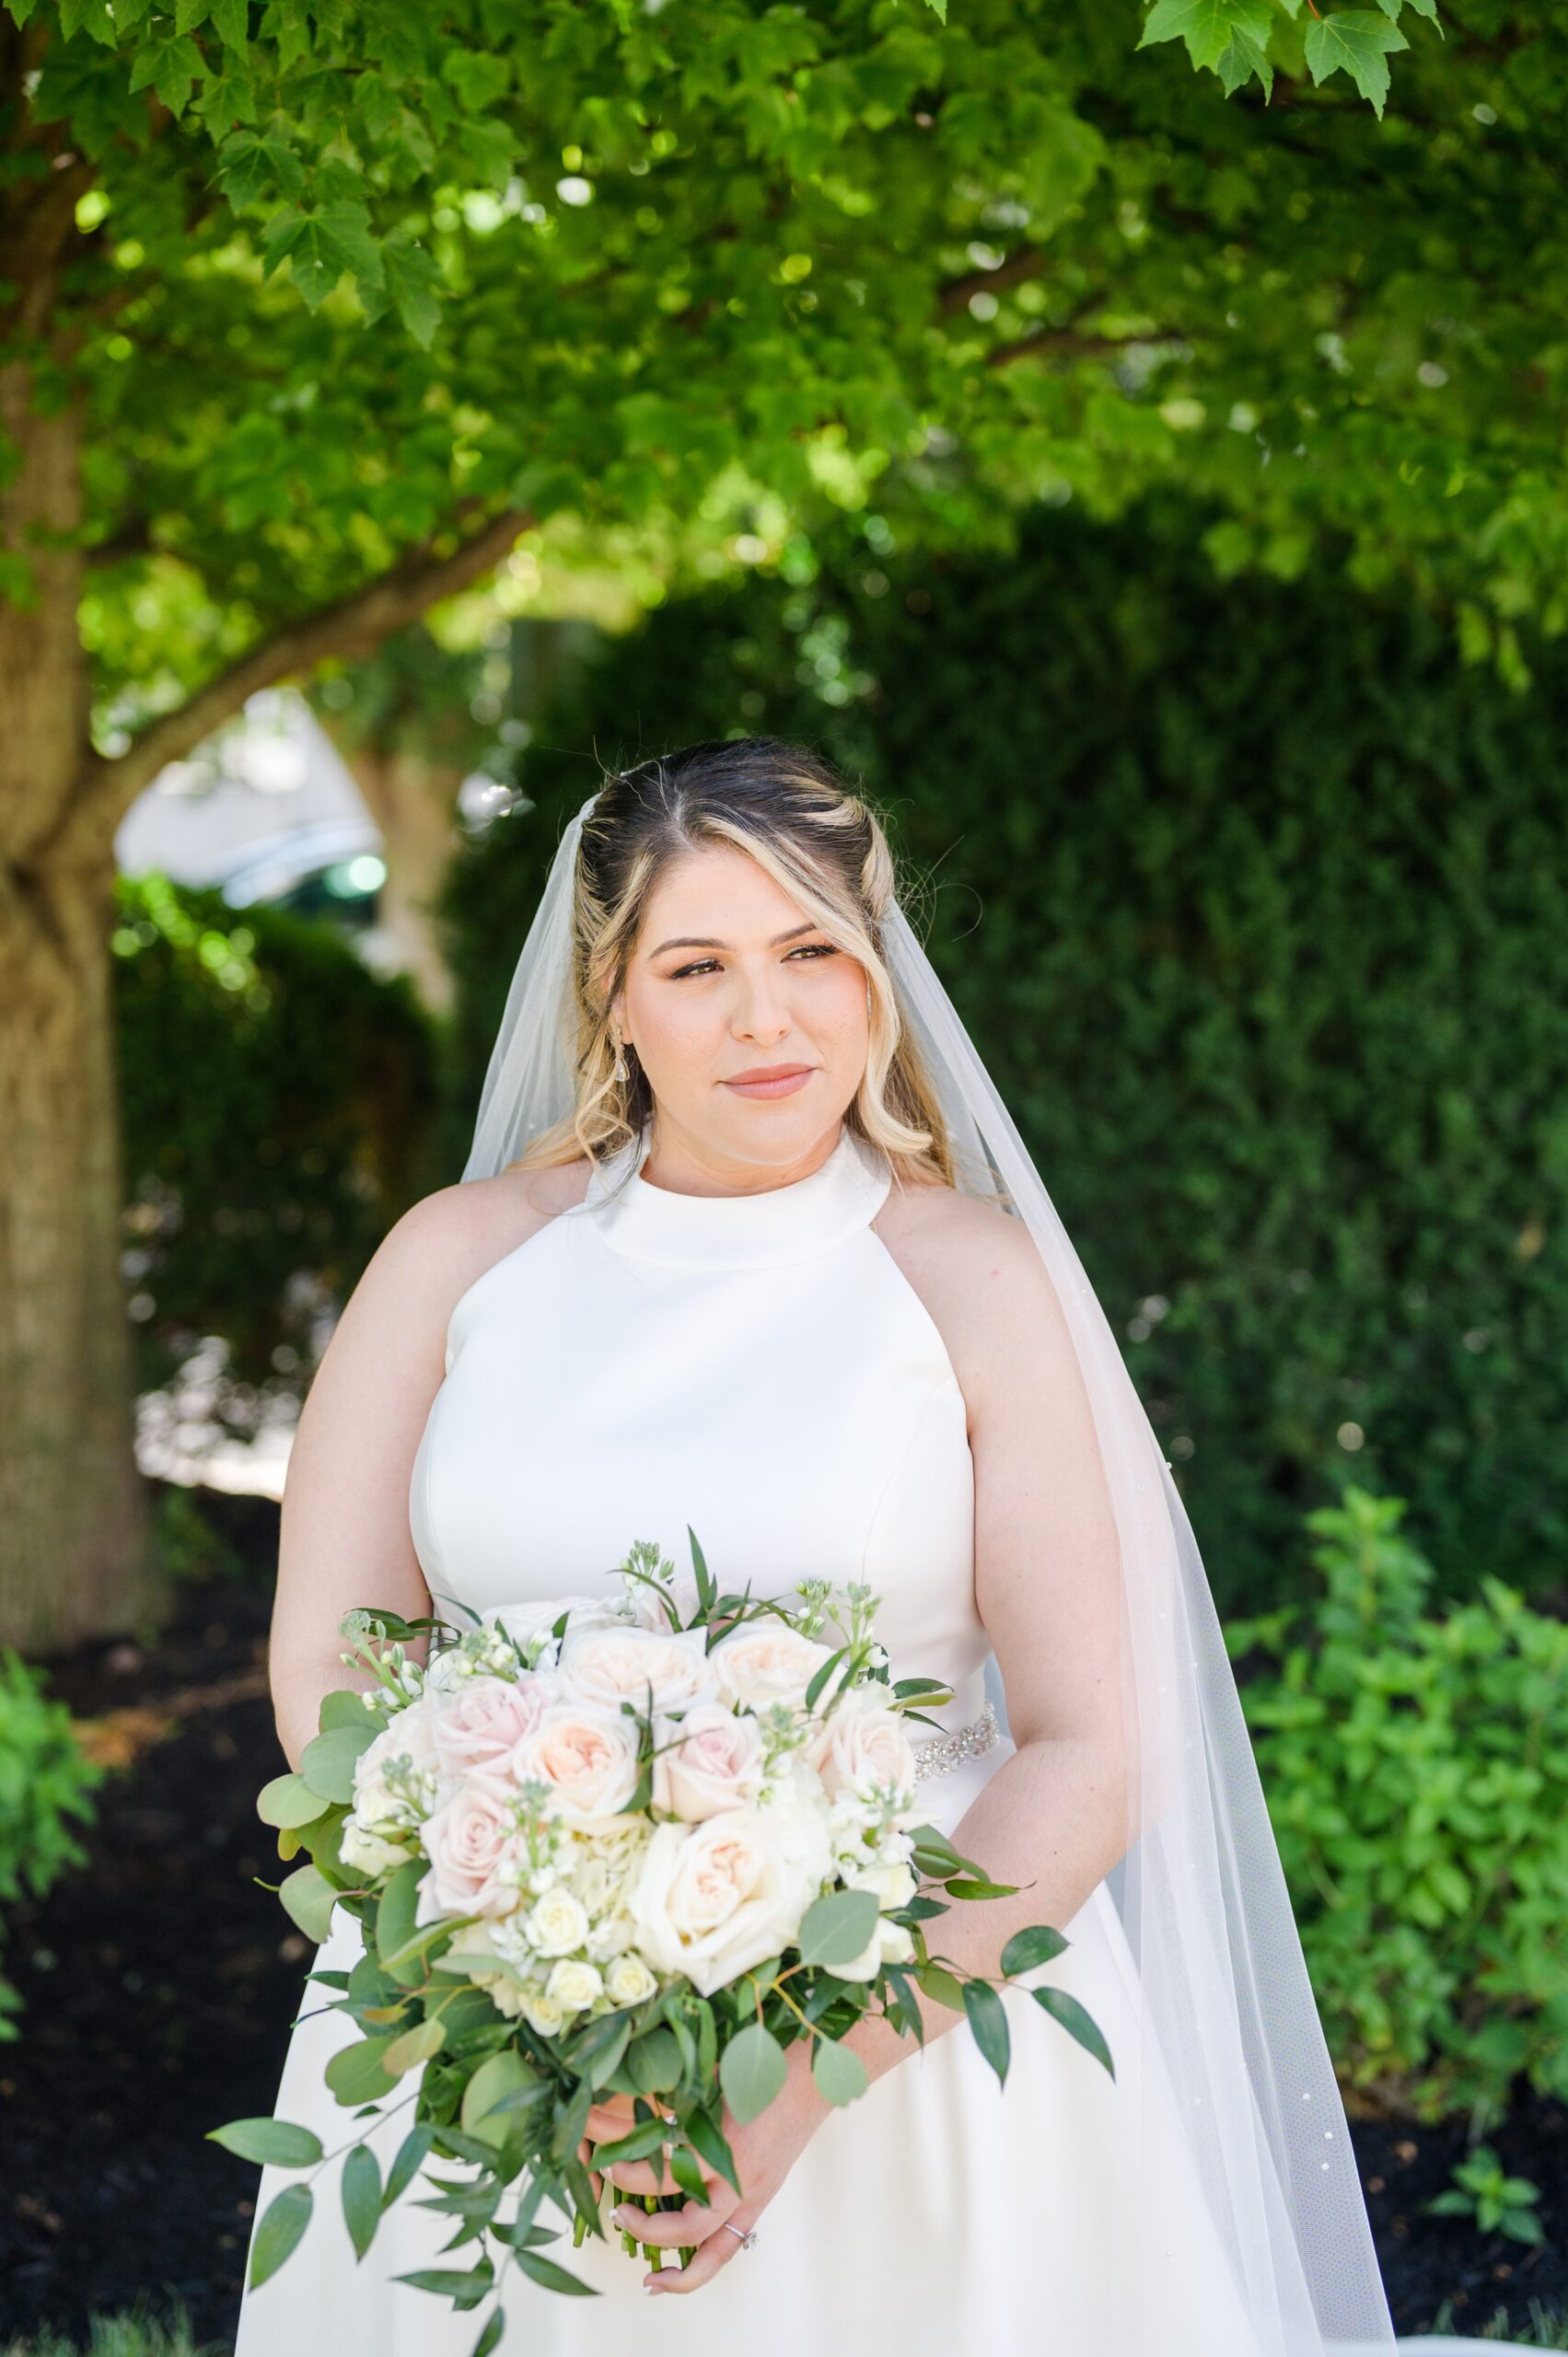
[(729, 976)]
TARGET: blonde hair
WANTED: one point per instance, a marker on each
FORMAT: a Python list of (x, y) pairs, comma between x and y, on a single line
[(824, 843)]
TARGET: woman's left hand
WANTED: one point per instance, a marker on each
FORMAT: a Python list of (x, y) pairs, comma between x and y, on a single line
[(765, 2151)]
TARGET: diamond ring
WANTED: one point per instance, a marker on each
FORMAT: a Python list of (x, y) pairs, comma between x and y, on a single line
[(745, 2238)]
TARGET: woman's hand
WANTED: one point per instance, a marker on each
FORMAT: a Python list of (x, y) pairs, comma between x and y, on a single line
[(765, 2151)]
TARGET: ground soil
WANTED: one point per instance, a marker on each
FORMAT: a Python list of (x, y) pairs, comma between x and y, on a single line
[(160, 1980)]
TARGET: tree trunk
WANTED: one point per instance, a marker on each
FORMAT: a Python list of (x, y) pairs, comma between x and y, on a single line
[(413, 802), (76, 1557)]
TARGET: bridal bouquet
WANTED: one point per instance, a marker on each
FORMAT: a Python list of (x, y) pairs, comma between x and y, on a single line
[(633, 1847)]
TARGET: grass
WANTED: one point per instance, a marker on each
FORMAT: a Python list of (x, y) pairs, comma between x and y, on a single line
[(1543, 2331), (132, 2332)]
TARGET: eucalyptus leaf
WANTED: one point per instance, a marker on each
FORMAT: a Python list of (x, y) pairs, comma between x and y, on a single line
[(1036, 1944), (837, 1929), (327, 1761), (988, 2019), (355, 2074), (288, 1802), (838, 2071), (413, 2046), (1076, 2021), (282, 2224), (309, 1899), (361, 2188), (276, 2142), (752, 2069)]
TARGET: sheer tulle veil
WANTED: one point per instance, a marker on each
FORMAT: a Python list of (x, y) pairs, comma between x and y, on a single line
[(1222, 1988)]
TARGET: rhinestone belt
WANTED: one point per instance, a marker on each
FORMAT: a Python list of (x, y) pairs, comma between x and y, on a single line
[(940, 1754)]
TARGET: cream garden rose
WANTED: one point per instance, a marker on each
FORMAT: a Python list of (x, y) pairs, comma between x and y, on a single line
[(626, 1664), (715, 1897), (862, 1744), (764, 1662)]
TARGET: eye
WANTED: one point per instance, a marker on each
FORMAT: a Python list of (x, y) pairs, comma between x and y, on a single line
[(806, 949)]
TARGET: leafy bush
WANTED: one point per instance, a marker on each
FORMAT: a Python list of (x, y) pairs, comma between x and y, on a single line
[(1416, 1770), (45, 1778), (277, 1102)]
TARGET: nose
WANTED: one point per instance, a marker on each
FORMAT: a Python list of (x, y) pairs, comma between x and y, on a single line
[(762, 1009)]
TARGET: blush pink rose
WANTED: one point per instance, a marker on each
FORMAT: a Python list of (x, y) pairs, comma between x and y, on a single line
[(587, 1754), (716, 1763), (466, 1841), (476, 1724)]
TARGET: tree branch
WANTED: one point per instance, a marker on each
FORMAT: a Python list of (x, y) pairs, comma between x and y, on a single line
[(351, 627)]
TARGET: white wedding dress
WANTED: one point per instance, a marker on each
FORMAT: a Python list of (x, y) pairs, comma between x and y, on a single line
[(757, 1366)]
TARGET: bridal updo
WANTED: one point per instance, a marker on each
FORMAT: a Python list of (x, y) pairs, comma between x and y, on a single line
[(822, 842)]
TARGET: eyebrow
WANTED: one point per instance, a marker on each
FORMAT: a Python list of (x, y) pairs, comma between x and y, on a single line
[(703, 941)]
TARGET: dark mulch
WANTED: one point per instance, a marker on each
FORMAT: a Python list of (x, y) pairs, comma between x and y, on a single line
[(160, 1982)]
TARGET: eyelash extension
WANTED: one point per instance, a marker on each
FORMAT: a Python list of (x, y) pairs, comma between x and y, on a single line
[(808, 948)]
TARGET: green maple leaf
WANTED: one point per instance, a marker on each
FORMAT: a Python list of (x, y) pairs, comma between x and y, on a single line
[(1242, 59), (1357, 42), (1208, 27)]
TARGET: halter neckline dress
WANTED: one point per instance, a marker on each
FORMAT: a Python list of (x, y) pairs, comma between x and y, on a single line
[(758, 1368)]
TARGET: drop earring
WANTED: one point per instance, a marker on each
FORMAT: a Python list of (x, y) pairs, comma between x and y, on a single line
[(620, 1064)]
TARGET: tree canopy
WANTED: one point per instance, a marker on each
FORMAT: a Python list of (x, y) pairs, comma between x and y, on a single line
[(345, 289)]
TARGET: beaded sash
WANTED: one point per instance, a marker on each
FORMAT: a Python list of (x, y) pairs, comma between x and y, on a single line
[(940, 1754)]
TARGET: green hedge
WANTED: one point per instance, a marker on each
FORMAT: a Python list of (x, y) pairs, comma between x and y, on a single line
[(278, 1107), (1416, 1771), (1256, 908), (45, 1781)]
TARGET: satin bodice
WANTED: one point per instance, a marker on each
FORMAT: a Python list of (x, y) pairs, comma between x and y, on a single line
[(754, 1366)]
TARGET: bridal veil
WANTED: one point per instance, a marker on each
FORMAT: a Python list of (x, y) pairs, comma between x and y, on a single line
[(1222, 1987)]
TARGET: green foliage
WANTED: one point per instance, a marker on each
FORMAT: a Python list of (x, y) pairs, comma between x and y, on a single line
[(347, 281), (1416, 1771), (277, 1099), (1253, 900), (45, 1781), (1495, 2202), (135, 2331)]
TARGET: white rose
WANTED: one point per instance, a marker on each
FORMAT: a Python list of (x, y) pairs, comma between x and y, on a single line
[(574, 1985), (369, 1854), (715, 1897), (710, 1760), (588, 1754), (610, 1936), (894, 1885), (860, 1744), (542, 2012), (627, 1981), (622, 1664), (556, 1924), (888, 1943), (767, 1661)]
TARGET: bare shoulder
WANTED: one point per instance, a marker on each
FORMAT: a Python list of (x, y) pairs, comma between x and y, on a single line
[(978, 1275), (445, 1242), (460, 1230)]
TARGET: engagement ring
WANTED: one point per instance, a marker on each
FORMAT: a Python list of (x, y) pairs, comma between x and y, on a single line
[(747, 2238)]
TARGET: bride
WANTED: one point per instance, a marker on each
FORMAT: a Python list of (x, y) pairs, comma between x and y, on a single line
[(748, 1242)]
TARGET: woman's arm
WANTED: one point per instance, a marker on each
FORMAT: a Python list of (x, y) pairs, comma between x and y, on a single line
[(1054, 1818), (344, 1538)]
